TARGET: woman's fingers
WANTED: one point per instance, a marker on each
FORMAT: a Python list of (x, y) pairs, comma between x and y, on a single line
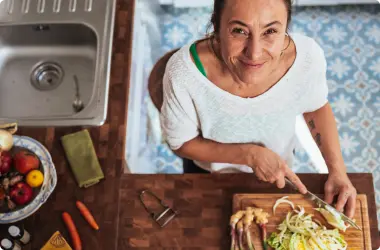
[(275, 176), (351, 204), (344, 194), (329, 193), (347, 197), (295, 180), (269, 167), (280, 182), (279, 177), (260, 174)]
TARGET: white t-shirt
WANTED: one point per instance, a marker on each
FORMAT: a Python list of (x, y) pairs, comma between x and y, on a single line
[(195, 106)]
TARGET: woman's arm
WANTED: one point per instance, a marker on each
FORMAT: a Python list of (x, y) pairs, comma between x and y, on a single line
[(201, 149), (322, 126), (267, 165)]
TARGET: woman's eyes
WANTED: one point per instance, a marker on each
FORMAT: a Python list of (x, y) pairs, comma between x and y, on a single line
[(238, 31), (270, 31), (242, 32)]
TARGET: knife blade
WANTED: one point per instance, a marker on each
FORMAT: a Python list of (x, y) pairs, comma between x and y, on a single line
[(321, 203)]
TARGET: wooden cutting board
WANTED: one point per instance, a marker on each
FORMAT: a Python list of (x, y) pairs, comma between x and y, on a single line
[(357, 240)]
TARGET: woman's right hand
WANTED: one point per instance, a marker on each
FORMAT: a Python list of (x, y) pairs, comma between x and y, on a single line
[(269, 167)]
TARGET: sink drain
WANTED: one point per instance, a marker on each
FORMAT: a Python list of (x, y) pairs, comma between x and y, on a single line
[(47, 76)]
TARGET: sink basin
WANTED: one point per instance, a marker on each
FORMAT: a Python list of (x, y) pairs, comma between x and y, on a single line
[(37, 73), (55, 61)]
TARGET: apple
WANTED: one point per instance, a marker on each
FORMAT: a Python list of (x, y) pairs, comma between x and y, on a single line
[(25, 161), (21, 193), (5, 162)]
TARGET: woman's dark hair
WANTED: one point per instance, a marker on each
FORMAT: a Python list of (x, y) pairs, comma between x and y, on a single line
[(218, 9)]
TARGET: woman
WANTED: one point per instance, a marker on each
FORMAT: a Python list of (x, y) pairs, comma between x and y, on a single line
[(231, 100)]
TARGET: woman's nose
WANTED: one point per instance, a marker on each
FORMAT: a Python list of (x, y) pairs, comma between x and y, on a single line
[(254, 48)]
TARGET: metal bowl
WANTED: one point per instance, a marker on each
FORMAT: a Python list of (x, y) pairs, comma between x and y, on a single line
[(50, 180)]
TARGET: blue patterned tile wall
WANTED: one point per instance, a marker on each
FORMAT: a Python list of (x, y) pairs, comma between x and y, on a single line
[(350, 37)]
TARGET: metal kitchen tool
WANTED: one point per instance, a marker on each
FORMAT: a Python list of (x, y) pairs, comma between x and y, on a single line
[(321, 203), (159, 218)]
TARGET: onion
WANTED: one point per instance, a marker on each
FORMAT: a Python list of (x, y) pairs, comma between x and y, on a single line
[(6, 140)]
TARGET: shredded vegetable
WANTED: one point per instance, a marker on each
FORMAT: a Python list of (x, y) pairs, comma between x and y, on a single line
[(333, 218), (299, 232), (282, 200)]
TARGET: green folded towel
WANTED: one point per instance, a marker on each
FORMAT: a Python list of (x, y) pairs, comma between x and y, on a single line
[(82, 157)]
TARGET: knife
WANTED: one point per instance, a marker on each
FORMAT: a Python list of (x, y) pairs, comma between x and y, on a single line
[(321, 203)]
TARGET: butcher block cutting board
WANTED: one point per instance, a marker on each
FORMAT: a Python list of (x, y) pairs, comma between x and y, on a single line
[(357, 240)]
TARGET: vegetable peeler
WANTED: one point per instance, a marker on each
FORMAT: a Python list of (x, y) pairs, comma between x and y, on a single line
[(159, 218)]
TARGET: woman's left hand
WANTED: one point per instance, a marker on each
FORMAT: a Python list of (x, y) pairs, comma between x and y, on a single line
[(339, 184)]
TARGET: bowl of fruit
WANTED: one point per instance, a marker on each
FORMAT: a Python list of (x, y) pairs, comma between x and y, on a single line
[(27, 177)]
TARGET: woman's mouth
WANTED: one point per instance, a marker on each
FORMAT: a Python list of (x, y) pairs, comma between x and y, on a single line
[(253, 65)]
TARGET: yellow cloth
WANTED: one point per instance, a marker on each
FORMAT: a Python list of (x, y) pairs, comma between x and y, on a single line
[(82, 157), (56, 242)]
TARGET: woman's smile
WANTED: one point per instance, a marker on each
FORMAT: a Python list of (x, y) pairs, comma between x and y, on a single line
[(250, 65)]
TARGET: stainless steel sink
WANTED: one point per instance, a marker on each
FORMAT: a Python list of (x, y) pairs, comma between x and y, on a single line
[(55, 55)]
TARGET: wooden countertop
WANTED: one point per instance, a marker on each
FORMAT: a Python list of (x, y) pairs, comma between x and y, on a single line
[(203, 200), (109, 142), (205, 205)]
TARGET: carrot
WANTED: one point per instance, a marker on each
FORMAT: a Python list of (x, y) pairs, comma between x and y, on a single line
[(72, 230), (87, 215)]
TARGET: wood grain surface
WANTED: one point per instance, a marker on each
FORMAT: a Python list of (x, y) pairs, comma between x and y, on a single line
[(356, 239), (204, 201), (205, 204)]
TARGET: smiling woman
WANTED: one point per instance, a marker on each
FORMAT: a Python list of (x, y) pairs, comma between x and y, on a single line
[(243, 37), (252, 44), (231, 100)]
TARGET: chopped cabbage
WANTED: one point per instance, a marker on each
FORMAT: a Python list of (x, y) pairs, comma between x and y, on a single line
[(333, 218), (299, 232), (282, 200)]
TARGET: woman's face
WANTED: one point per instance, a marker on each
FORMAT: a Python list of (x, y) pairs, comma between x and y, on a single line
[(252, 36)]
